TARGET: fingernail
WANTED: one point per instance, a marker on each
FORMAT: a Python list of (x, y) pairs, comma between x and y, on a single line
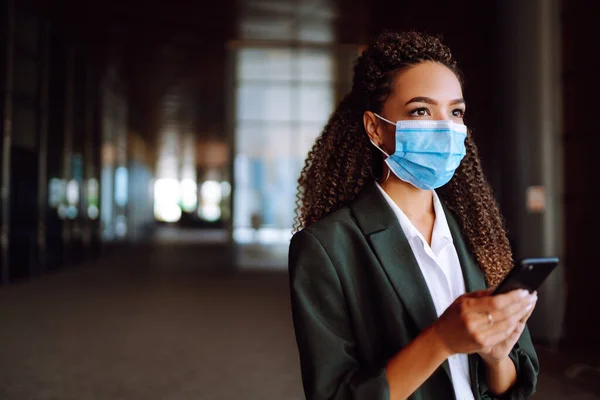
[(523, 293), (528, 307), (533, 298)]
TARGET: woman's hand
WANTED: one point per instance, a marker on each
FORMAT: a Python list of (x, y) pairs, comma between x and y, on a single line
[(480, 323), (501, 350)]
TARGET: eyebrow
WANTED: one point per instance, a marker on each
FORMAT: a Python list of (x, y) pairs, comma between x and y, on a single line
[(429, 100)]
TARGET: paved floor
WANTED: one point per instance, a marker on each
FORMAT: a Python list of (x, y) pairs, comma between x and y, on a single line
[(168, 322)]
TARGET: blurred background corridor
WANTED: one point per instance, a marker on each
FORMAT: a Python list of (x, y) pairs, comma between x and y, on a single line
[(149, 156)]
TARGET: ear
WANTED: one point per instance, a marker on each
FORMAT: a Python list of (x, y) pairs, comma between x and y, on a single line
[(371, 123)]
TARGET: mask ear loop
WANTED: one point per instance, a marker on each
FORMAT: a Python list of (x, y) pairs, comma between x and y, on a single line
[(386, 166), (381, 150), (387, 176)]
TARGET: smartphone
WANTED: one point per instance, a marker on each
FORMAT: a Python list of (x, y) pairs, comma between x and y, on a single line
[(529, 274)]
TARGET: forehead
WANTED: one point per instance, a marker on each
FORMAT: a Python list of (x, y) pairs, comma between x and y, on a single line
[(427, 79)]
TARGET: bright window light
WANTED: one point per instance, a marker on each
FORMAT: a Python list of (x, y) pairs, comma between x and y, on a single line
[(73, 192), (167, 196), (211, 192), (93, 193), (62, 211), (121, 226), (56, 192), (167, 212), (121, 186), (211, 212), (189, 195), (93, 212), (225, 189), (72, 212)]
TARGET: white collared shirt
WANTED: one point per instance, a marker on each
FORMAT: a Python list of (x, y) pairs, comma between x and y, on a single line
[(442, 272)]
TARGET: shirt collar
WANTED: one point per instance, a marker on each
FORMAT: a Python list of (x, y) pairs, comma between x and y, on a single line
[(441, 223), (440, 226)]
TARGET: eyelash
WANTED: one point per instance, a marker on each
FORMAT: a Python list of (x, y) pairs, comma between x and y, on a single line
[(462, 112), (417, 110)]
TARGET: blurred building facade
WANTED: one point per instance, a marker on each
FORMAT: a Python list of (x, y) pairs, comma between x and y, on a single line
[(117, 115)]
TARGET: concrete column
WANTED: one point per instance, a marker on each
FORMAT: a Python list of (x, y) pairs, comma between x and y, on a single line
[(67, 170), (43, 146), (6, 143), (531, 146), (88, 156)]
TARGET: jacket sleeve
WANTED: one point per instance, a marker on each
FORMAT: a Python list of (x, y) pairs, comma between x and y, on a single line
[(330, 369), (526, 363)]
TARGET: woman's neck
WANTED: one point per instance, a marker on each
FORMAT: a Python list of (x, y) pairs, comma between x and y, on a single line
[(413, 202)]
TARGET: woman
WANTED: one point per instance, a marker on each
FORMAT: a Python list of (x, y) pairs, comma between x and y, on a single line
[(388, 277)]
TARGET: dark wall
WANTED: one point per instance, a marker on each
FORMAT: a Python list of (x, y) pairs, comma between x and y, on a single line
[(55, 149), (581, 85), (42, 148), (3, 43), (23, 165)]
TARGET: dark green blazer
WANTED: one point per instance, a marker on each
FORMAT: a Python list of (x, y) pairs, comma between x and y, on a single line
[(358, 297)]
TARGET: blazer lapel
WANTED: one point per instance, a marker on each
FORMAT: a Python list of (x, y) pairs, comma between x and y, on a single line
[(473, 275), (389, 243)]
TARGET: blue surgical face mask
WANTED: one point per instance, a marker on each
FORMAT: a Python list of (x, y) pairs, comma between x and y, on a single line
[(427, 151)]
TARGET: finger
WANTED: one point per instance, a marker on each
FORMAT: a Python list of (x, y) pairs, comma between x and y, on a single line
[(494, 303), (521, 308), (508, 311), (496, 333), (508, 324), (519, 316), (525, 311), (520, 328), (487, 319), (526, 317), (493, 338), (515, 335)]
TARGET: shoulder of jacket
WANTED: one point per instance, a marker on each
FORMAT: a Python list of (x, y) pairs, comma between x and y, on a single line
[(333, 226)]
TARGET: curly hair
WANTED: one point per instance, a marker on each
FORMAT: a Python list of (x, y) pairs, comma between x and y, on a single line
[(343, 161)]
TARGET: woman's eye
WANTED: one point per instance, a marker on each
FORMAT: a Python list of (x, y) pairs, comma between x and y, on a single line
[(458, 113), (420, 112)]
